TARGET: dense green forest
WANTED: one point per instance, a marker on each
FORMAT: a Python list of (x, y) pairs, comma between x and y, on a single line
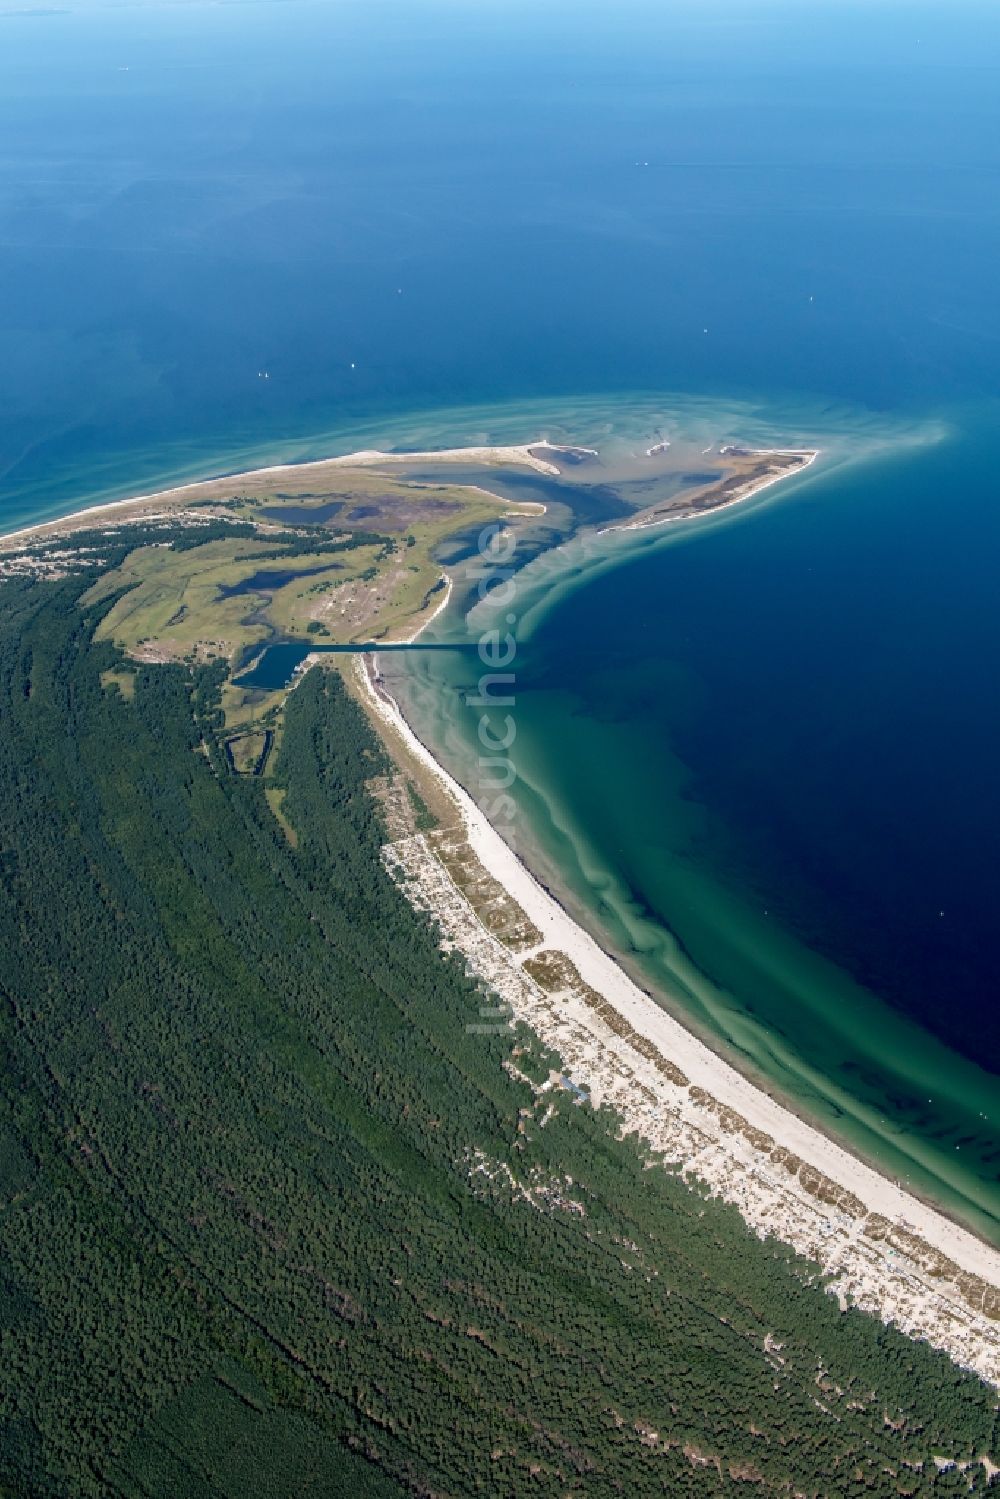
[(242, 1251)]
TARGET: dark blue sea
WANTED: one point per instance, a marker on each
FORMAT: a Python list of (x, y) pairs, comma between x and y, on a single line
[(759, 757)]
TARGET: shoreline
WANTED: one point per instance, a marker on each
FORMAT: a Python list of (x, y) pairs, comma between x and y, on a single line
[(155, 504), (523, 883), (519, 455), (751, 1071), (440, 608), (685, 1099), (518, 876), (751, 488), (886, 1227), (316, 658)]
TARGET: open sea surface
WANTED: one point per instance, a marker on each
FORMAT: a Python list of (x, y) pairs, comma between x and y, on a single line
[(757, 754)]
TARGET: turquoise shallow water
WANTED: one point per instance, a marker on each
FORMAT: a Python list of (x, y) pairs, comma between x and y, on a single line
[(715, 725), (759, 755)]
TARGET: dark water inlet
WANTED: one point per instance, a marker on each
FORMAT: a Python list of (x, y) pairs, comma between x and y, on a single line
[(278, 663), (268, 580)]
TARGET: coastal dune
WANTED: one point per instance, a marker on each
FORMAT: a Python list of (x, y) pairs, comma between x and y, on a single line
[(888, 1252)]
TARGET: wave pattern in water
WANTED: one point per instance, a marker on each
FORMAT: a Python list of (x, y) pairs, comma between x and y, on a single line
[(672, 847)]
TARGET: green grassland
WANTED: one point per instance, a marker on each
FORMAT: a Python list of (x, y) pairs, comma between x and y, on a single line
[(176, 599), (368, 572), (274, 1222), (247, 753), (123, 679)]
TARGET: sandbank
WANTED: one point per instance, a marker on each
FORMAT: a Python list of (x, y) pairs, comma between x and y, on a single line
[(710, 499)]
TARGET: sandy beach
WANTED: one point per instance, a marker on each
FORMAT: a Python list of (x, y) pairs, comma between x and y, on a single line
[(888, 1252), (738, 494), (162, 501), (157, 504)]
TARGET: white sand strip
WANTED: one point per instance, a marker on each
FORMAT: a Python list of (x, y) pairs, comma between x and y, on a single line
[(702, 1066), (740, 497), (517, 456)]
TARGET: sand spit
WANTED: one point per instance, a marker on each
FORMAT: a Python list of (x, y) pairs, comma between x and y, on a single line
[(728, 492), (887, 1252), (159, 503), (439, 608)]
